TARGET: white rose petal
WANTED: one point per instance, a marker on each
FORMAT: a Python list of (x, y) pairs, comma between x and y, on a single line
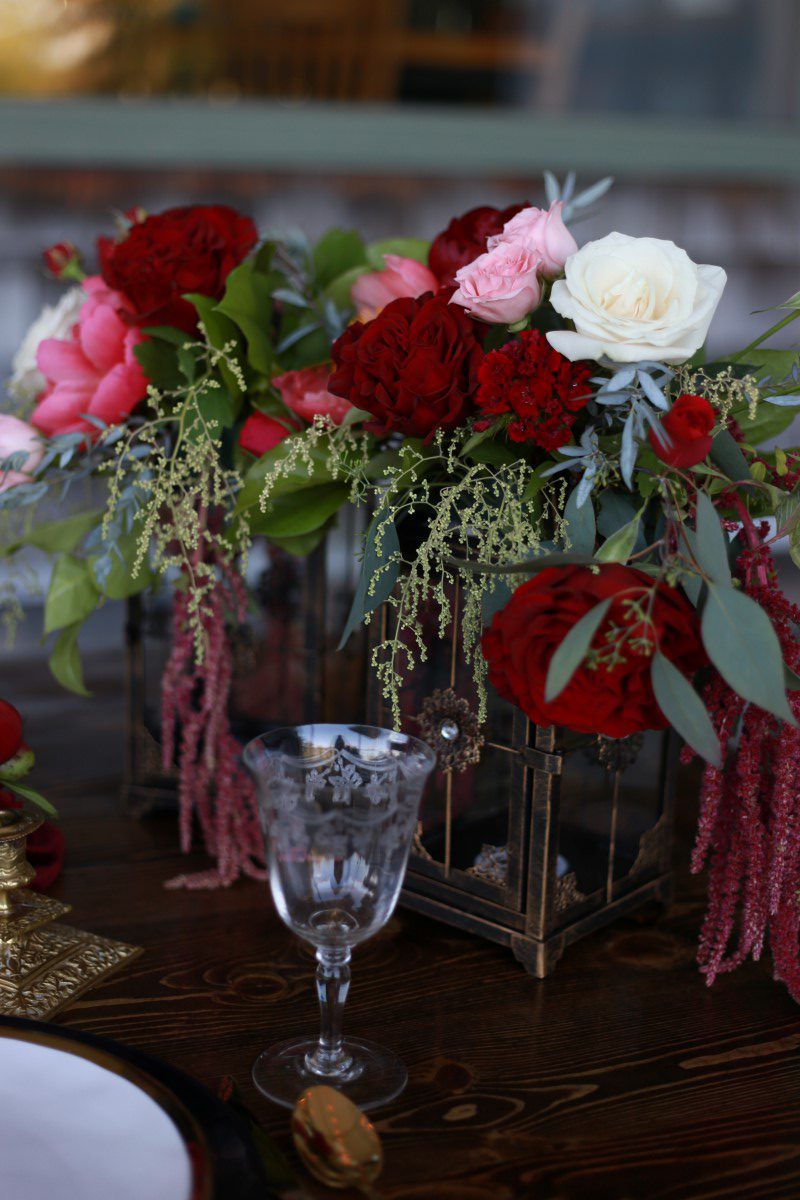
[(54, 321), (634, 298)]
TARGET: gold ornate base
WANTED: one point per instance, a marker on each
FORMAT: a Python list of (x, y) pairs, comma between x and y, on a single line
[(43, 966), (52, 966)]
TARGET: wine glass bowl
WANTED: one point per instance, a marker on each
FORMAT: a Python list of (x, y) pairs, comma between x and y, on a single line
[(339, 806)]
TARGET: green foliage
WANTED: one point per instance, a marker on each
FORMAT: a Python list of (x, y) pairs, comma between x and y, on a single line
[(337, 251), (416, 248), (711, 543), (65, 660), (570, 653), (301, 513), (727, 455), (580, 524), (743, 646), (684, 709), (380, 568), (72, 594), (619, 547), (247, 303)]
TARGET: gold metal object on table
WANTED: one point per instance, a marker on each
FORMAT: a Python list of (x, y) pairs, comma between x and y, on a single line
[(43, 966), (337, 1143)]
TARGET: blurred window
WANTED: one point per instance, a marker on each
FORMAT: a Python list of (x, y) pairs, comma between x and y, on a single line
[(725, 59)]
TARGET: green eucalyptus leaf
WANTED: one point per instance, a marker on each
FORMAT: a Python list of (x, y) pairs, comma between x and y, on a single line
[(710, 542), (791, 679), (619, 547), (380, 567), (496, 596), (743, 646), (684, 709), (72, 594), (581, 529), (65, 661), (728, 457), (571, 652)]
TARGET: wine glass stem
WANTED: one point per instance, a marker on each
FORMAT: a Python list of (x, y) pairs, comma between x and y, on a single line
[(333, 983)]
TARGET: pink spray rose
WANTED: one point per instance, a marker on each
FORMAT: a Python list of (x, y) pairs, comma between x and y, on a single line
[(306, 393), (93, 371), (402, 277), (543, 232), (18, 437), (501, 286)]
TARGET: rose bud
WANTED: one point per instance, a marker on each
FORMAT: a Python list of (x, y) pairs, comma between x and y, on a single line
[(688, 425), (63, 261)]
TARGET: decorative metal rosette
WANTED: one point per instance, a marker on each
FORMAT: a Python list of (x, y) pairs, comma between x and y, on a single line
[(616, 754), (451, 729)]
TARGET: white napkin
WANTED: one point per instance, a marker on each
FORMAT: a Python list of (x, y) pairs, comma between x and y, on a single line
[(70, 1130)]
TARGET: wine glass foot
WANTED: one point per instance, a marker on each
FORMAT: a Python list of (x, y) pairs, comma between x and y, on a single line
[(375, 1075)]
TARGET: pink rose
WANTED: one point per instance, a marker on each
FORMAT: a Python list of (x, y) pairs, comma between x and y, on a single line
[(541, 231), (402, 277), (18, 437), (501, 286), (261, 433), (93, 371), (306, 393)]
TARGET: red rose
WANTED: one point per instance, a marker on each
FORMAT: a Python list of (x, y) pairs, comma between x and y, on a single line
[(611, 699), (541, 389), (465, 238), (10, 731), (182, 250), (61, 259), (261, 433), (414, 367), (689, 423), (44, 848)]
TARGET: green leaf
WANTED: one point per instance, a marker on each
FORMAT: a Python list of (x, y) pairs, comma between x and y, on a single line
[(381, 554), (303, 512), (300, 476), (573, 649), (728, 457), (215, 404), (167, 333), (65, 535), (302, 545), (65, 661), (72, 594), (743, 646), (220, 331), (710, 542), (496, 596), (496, 454), (791, 679), (339, 290), (619, 547), (248, 303), (581, 528), (27, 793), (416, 248), (336, 252), (769, 421), (159, 361), (684, 709), (120, 583)]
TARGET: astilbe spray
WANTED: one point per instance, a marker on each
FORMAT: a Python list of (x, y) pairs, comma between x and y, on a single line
[(749, 825), (213, 788)]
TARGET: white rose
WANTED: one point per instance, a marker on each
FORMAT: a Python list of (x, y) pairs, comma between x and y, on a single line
[(634, 298), (54, 321)]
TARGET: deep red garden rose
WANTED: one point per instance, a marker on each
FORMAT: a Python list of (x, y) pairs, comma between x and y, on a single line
[(689, 423), (261, 433), (465, 238), (169, 254), (610, 698), (414, 367), (542, 390), (10, 731)]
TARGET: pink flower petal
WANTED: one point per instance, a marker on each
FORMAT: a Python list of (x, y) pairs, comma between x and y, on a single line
[(65, 362), (102, 337), (118, 394), (59, 410)]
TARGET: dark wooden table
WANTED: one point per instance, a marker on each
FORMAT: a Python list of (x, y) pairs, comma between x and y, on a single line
[(622, 1076)]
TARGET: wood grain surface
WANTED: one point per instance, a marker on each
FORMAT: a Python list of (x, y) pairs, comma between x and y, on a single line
[(621, 1077)]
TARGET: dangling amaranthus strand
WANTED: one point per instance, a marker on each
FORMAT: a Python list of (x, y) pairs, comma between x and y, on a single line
[(749, 825), (213, 785)]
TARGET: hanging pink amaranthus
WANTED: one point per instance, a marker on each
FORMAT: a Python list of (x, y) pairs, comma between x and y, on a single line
[(213, 785), (749, 828)]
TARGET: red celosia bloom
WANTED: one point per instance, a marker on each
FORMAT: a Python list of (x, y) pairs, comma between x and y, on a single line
[(541, 389)]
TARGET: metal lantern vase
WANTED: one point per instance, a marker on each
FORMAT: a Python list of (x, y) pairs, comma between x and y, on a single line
[(529, 836), (288, 671)]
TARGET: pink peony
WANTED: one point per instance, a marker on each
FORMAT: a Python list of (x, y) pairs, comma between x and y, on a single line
[(402, 277), (541, 231), (93, 371), (306, 393), (501, 286), (18, 437)]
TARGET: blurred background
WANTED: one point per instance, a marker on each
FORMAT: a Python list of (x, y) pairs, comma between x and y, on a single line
[(394, 115)]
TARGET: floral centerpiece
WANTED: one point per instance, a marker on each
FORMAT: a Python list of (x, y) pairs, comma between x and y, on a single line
[(534, 420)]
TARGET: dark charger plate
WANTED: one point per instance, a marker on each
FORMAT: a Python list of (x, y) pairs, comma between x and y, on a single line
[(225, 1162)]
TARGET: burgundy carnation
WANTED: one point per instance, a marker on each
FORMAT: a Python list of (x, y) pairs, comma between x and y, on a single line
[(414, 367), (611, 699), (465, 238), (170, 254), (541, 389)]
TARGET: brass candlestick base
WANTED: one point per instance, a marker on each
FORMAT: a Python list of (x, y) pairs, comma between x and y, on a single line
[(42, 966)]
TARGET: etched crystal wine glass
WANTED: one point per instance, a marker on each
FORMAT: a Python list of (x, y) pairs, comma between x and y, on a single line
[(339, 806)]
